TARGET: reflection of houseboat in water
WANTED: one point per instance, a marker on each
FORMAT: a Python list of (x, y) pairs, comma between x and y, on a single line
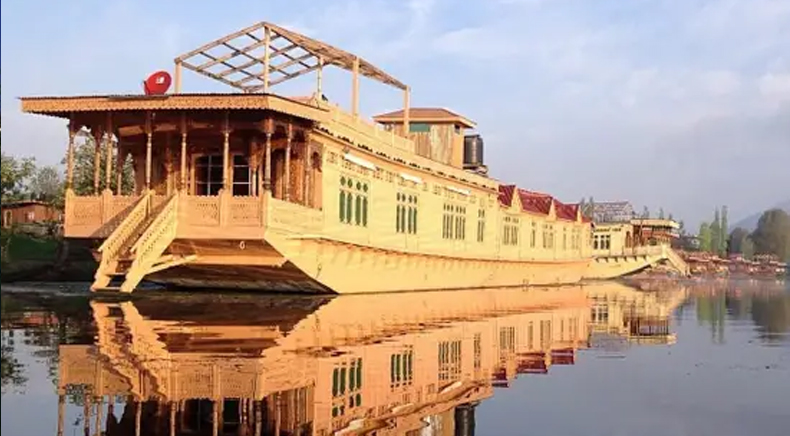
[(635, 316), (393, 364), (263, 191)]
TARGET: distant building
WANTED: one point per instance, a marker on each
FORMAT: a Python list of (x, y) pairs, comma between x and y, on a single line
[(29, 212), (613, 212)]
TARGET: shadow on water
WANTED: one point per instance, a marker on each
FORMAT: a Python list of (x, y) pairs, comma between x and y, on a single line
[(410, 363)]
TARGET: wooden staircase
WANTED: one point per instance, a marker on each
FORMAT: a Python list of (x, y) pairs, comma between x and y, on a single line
[(136, 247)]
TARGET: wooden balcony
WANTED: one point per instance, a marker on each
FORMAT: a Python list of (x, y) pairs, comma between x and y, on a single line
[(199, 217)]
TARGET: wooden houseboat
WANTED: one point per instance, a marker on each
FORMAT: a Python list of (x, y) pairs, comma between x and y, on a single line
[(262, 191)]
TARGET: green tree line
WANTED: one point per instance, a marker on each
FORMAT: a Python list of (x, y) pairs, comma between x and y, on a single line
[(772, 236), (24, 179)]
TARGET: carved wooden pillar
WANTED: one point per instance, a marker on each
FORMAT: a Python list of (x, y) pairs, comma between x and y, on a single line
[(170, 181), (307, 171), (148, 143), (172, 418), (226, 182), (355, 88), (61, 410), (287, 176), (108, 144), (86, 412), (267, 160), (252, 156), (97, 140), (120, 159), (183, 166), (215, 418), (99, 413), (138, 414), (70, 157)]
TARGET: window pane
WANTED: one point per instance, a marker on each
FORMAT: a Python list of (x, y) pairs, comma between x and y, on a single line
[(241, 174), (419, 127), (241, 189), (342, 206), (215, 174), (239, 160)]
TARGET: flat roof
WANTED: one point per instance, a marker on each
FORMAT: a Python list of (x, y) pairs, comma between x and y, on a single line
[(426, 114), (64, 106)]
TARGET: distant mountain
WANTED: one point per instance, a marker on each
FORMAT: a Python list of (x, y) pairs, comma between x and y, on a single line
[(750, 222)]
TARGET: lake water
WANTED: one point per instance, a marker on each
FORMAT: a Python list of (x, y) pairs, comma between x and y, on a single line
[(709, 358)]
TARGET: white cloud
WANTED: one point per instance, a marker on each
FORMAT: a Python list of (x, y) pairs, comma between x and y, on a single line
[(775, 85), (719, 83)]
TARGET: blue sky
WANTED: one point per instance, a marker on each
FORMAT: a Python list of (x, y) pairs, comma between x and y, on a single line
[(677, 104)]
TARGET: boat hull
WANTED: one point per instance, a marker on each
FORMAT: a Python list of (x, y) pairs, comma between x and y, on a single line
[(317, 265)]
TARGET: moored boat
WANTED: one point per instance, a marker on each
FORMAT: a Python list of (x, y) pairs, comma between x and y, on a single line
[(262, 191)]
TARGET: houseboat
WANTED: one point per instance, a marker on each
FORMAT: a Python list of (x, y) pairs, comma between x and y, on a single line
[(257, 190)]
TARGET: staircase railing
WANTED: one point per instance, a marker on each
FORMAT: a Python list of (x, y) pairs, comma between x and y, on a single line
[(677, 261), (108, 346), (149, 352), (119, 239), (152, 243)]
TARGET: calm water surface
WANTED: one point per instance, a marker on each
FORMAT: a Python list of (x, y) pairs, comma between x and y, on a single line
[(604, 359)]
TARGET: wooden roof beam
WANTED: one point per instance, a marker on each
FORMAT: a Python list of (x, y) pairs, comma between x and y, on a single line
[(217, 42), (231, 55), (254, 61), (281, 68), (288, 77), (231, 66)]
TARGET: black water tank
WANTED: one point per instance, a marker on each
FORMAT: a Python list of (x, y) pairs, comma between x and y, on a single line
[(465, 420), (473, 150)]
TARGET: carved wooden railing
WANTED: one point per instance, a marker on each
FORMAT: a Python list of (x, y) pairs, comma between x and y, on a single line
[(674, 258), (222, 211), (342, 120), (396, 146), (245, 211), (95, 216), (294, 217), (152, 243)]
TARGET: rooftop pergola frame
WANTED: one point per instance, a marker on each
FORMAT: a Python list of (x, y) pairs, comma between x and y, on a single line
[(263, 55)]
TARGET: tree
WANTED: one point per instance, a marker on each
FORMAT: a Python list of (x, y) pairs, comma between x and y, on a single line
[(723, 231), (736, 240), (15, 175), (84, 158), (704, 237), (715, 233), (747, 248), (681, 227), (47, 185), (772, 235)]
